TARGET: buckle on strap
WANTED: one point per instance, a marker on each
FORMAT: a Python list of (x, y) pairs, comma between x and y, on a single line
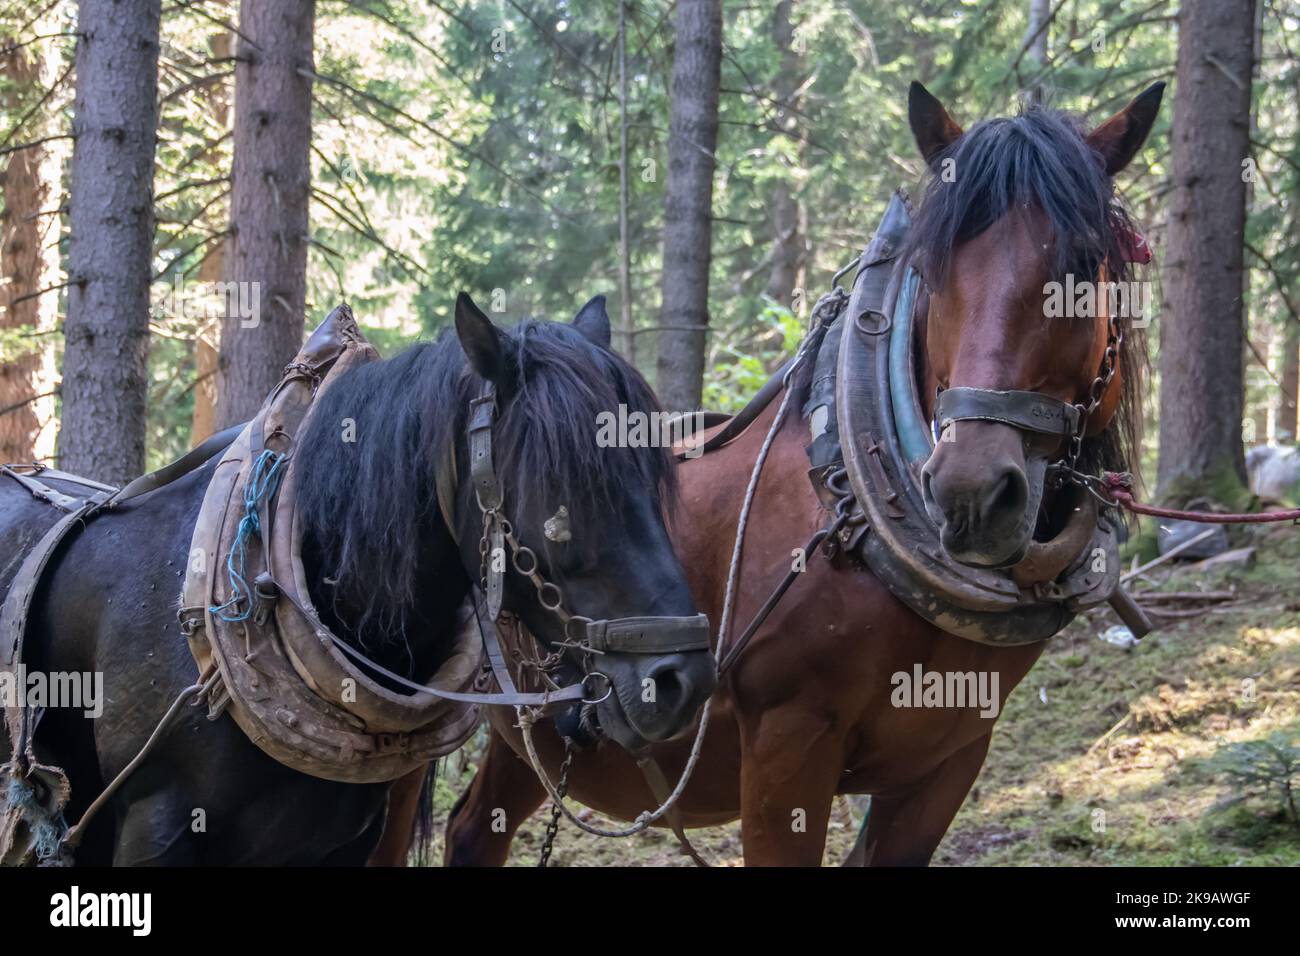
[(649, 635), (482, 472), (1028, 411)]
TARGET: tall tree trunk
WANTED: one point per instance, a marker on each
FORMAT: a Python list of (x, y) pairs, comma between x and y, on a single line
[(110, 252), (1035, 44), (1201, 344), (211, 271), (782, 206), (688, 206), (266, 252), (1285, 425), (29, 262), (1287, 421), (624, 236)]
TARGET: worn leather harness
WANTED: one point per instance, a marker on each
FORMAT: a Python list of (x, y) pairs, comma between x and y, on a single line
[(870, 437), (299, 692), (35, 793)]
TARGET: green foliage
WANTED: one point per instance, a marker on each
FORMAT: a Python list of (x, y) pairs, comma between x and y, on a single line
[(737, 375), (1268, 768), (474, 144)]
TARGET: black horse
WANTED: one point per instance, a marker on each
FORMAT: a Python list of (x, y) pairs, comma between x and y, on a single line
[(386, 572)]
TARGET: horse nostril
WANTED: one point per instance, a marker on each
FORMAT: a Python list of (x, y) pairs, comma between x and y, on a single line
[(1008, 495), (666, 689)]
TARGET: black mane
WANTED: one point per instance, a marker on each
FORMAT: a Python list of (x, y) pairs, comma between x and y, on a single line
[(368, 505), (1037, 158)]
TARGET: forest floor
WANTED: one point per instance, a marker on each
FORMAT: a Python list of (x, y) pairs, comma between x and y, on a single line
[(1102, 756)]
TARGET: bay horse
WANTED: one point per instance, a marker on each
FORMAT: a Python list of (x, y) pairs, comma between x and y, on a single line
[(808, 710), (386, 571)]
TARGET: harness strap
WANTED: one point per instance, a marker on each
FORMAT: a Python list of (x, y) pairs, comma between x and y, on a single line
[(13, 616), (734, 652), (1119, 488), (519, 698), (1028, 411), (649, 635), (194, 693), (513, 698), (660, 789), (180, 467), (746, 416), (487, 628)]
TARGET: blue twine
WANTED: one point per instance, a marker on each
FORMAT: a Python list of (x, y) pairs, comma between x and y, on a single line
[(262, 484), (46, 833)]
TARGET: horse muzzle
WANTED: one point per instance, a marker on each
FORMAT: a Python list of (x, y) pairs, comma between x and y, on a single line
[(660, 671), (982, 485)]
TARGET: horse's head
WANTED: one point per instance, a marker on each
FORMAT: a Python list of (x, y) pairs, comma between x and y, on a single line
[(1015, 205), (591, 518)]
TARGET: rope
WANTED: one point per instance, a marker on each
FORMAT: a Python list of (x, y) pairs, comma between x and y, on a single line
[(262, 484), (46, 832), (527, 717), (1119, 488)]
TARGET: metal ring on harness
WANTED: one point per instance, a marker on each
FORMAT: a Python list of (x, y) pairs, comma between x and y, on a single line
[(885, 326), (523, 551), (609, 687), (554, 605)]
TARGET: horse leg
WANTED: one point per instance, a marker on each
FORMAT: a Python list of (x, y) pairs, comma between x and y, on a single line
[(156, 830), (788, 778), (503, 794), (905, 828), (399, 822)]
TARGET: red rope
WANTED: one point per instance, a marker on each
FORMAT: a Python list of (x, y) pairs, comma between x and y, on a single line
[(1119, 487)]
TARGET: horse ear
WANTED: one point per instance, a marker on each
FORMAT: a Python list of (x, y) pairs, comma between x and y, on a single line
[(1120, 137), (933, 128), (485, 345), (593, 321)]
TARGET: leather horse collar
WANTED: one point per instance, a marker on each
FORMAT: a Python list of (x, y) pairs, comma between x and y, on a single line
[(886, 437), (870, 437)]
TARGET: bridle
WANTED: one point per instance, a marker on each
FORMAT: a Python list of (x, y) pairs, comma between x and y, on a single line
[(583, 638), (1039, 413)]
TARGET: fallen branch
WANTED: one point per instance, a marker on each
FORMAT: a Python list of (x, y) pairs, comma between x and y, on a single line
[(1160, 597), (1110, 733), (1190, 611), (1168, 555)]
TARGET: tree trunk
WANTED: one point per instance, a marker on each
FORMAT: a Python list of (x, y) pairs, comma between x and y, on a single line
[(266, 252), (1201, 342), (1035, 45), (1285, 425), (624, 236), (688, 206), (211, 271), (782, 206), (110, 252), (29, 262)]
